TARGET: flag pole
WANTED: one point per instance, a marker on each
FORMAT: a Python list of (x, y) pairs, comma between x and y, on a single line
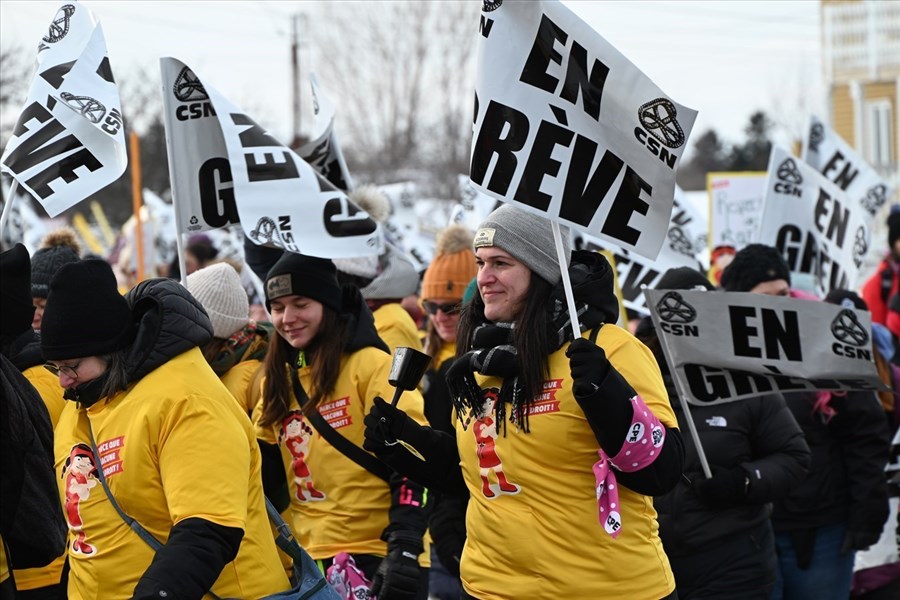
[(7, 206), (567, 283), (137, 201)]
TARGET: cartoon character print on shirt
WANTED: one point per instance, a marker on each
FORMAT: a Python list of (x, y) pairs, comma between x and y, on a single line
[(81, 476), (296, 433), (485, 431)]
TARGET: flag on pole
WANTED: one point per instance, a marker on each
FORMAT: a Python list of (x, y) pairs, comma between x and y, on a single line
[(68, 142), (323, 152)]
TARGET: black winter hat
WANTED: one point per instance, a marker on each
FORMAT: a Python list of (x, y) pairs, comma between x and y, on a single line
[(15, 290), (58, 248), (684, 278), (308, 276), (752, 265), (893, 223), (846, 298), (85, 314)]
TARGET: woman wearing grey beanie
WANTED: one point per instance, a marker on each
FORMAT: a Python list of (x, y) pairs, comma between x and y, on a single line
[(562, 443)]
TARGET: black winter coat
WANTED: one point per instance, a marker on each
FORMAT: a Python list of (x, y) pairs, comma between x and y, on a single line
[(761, 436)]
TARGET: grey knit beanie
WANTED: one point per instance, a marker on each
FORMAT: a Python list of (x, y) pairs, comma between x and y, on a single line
[(218, 288), (526, 237)]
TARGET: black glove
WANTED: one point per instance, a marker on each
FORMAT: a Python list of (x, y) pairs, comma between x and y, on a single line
[(859, 540), (385, 424), (399, 575), (726, 486), (589, 366)]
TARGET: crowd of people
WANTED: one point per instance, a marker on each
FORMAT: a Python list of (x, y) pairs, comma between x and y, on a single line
[(145, 426)]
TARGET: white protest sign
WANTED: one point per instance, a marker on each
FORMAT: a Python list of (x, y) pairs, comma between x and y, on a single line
[(827, 153), (809, 219), (323, 152), (736, 202), (68, 142), (566, 127), (680, 249), (281, 201), (729, 346), (199, 171)]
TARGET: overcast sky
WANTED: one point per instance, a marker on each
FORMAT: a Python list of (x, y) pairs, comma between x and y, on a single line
[(725, 59)]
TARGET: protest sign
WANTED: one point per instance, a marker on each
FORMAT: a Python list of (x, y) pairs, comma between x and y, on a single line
[(323, 152), (812, 223), (68, 142), (729, 346), (280, 200), (566, 127), (827, 153), (736, 201)]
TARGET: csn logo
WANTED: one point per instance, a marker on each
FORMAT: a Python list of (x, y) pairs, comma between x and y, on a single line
[(660, 130), (676, 315), (852, 338), (789, 179), (188, 89)]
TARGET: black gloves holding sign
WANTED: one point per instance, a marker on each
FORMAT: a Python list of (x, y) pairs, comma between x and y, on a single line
[(398, 574), (589, 366)]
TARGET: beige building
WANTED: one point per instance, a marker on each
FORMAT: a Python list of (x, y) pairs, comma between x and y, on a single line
[(861, 59)]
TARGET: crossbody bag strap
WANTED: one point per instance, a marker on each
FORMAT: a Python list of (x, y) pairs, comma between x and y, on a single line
[(130, 521), (338, 441), (596, 331)]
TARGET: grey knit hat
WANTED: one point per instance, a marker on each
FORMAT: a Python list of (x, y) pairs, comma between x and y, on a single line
[(218, 288), (526, 237)]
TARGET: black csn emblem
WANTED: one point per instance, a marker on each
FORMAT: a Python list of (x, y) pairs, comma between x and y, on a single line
[(59, 28), (875, 198), (673, 309), (87, 107), (789, 173), (846, 328), (265, 230), (658, 118), (860, 245), (679, 242), (188, 88), (816, 136), (491, 5)]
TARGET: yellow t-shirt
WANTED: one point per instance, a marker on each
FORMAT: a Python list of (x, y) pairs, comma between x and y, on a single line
[(238, 380), (396, 328), (532, 520), (47, 385), (336, 505), (174, 446)]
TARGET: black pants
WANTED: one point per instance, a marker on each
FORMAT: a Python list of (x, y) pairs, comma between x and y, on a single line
[(368, 564), (740, 567)]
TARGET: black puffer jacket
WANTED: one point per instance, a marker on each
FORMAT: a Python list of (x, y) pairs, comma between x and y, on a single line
[(758, 434), (846, 482)]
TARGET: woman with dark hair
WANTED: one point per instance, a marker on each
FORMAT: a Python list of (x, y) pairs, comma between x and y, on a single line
[(151, 429), (323, 370), (562, 443)]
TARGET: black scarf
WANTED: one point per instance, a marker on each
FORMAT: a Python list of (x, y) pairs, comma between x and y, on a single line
[(493, 348)]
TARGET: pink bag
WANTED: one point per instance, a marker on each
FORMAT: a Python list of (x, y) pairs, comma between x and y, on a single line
[(347, 579)]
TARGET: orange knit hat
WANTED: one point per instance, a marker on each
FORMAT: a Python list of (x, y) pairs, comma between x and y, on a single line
[(453, 266)]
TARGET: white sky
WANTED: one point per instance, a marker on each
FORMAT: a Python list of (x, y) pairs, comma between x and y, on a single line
[(725, 59)]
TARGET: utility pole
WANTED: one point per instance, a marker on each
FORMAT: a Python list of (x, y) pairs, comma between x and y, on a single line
[(295, 77)]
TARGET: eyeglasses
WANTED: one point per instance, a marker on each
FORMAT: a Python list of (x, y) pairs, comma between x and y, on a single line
[(70, 371), (448, 308)]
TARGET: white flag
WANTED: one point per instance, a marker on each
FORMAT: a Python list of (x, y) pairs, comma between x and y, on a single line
[(827, 153), (323, 152), (566, 127), (68, 142), (812, 222), (281, 201)]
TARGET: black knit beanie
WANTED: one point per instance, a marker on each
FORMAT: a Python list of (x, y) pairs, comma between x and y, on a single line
[(15, 290), (847, 299), (85, 314), (307, 276), (44, 265), (684, 278), (752, 265), (893, 223)]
